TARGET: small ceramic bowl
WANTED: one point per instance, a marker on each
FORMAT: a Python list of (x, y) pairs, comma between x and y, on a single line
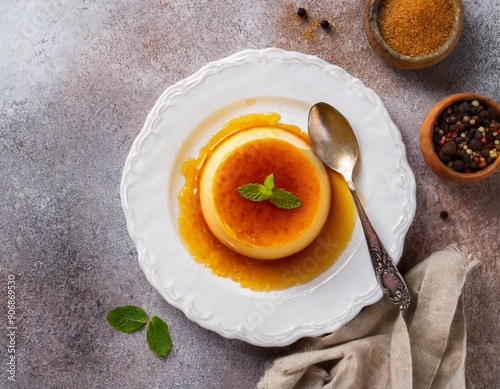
[(427, 145), (396, 59)]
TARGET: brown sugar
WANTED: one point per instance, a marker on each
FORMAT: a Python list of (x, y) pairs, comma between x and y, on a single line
[(416, 27)]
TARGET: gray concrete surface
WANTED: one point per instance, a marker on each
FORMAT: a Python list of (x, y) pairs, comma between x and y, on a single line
[(77, 81)]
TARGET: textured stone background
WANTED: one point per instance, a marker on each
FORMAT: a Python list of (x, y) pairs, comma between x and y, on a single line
[(77, 81)]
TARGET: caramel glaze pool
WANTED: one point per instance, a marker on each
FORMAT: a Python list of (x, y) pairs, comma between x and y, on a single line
[(252, 273)]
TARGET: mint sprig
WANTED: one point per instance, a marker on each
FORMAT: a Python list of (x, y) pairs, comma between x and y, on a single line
[(130, 318), (278, 196)]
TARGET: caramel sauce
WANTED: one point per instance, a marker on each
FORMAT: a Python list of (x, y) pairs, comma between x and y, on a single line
[(253, 273), (262, 223)]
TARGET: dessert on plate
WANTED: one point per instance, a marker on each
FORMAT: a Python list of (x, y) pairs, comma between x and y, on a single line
[(258, 206)]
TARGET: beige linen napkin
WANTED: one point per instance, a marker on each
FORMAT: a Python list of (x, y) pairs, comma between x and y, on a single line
[(423, 347)]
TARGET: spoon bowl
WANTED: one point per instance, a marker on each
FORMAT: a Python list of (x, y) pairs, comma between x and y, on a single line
[(323, 117), (335, 143)]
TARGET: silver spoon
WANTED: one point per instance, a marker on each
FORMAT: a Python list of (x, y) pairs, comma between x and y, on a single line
[(335, 143)]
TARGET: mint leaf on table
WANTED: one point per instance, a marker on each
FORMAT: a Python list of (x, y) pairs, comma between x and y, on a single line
[(130, 318), (278, 196), (158, 337), (127, 318)]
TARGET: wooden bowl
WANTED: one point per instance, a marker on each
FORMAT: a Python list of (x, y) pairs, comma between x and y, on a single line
[(396, 59), (427, 145)]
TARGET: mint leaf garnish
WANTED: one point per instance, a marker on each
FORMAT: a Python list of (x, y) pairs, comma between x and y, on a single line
[(278, 196), (158, 337), (269, 182), (284, 199), (128, 318), (254, 192)]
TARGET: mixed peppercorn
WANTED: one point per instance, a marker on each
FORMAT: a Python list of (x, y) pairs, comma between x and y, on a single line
[(466, 136)]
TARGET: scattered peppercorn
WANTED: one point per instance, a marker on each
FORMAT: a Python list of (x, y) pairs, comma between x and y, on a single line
[(325, 24), (307, 25), (302, 12), (466, 136), (443, 215)]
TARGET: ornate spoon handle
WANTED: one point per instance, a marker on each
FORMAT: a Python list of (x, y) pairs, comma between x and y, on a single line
[(387, 274)]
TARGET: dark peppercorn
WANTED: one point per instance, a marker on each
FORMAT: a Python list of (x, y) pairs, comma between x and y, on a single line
[(443, 215), (444, 157), (475, 145), (485, 152), (493, 113), (463, 107), (325, 24), (458, 165), (302, 12), (449, 148)]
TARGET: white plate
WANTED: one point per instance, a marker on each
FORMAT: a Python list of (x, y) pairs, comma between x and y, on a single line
[(186, 115)]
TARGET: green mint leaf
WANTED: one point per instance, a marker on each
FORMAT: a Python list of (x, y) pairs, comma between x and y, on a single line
[(284, 199), (278, 196), (269, 182), (128, 318), (158, 337), (254, 192)]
